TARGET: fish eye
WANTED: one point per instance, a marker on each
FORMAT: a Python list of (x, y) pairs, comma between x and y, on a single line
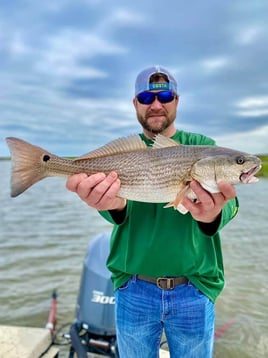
[(240, 160), (46, 158)]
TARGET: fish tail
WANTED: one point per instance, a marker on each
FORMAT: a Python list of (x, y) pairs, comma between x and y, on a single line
[(27, 166)]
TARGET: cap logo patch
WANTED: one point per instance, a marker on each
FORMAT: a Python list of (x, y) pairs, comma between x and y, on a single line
[(159, 86)]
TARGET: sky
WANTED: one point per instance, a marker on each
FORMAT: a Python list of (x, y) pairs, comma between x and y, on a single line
[(67, 69)]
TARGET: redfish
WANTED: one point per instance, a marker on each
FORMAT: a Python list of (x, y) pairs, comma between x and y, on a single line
[(157, 174)]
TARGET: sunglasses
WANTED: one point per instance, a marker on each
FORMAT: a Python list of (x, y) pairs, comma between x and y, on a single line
[(162, 97)]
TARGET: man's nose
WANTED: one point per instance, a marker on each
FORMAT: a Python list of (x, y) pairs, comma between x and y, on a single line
[(156, 104)]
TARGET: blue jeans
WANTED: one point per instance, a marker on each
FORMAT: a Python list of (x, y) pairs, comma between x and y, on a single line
[(143, 310)]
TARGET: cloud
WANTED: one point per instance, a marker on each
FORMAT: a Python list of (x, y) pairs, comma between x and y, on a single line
[(249, 35), (255, 106), (215, 64), (68, 69), (253, 141), (17, 46), (64, 53), (123, 17)]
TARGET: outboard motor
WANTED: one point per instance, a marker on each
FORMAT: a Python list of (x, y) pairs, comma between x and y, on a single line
[(94, 327)]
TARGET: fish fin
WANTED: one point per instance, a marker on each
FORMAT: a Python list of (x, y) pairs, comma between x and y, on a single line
[(118, 146), (176, 204), (26, 164), (182, 209), (161, 141)]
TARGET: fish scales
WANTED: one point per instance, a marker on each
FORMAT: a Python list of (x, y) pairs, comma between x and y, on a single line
[(142, 174), (158, 174)]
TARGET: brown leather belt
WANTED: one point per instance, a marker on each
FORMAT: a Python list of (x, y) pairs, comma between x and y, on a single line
[(165, 283)]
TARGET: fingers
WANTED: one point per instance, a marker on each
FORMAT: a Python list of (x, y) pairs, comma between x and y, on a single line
[(75, 180), (204, 198), (103, 192), (227, 190), (208, 206), (98, 190), (202, 195), (93, 187)]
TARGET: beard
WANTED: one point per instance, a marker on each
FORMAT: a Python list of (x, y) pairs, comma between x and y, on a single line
[(156, 126)]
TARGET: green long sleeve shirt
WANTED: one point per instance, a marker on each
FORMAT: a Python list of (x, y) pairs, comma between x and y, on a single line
[(151, 240)]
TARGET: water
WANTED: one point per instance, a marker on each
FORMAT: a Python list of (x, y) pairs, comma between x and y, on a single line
[(44, 236)]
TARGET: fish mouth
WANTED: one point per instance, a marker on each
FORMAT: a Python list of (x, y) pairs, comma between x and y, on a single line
[(248, 177)]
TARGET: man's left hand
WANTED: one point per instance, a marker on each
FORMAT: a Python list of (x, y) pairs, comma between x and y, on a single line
[(208, 206)]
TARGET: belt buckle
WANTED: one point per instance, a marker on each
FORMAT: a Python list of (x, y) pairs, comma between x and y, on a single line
[(170, 284)]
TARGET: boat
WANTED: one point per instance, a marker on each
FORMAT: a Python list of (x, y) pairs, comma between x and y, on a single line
[(93, 332)]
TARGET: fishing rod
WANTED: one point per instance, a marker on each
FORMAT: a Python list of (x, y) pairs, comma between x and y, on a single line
[(221, 330), (52, 317), (218, 333)]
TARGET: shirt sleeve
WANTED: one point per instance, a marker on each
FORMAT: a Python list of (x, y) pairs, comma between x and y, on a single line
[(228, 212), (116, 217)]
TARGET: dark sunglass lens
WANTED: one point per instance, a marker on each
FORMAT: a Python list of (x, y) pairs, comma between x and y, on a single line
[(165, 96), (146, 97), (149, 97)]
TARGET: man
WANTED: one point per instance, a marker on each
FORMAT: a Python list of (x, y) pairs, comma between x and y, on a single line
[(166, 267)]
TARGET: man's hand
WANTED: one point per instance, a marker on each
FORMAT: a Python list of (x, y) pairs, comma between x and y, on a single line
[(208, 206), (98, 191)]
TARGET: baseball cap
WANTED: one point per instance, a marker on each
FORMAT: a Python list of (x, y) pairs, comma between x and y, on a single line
[(143, 80)]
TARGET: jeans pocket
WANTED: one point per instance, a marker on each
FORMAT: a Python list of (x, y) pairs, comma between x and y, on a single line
[(196, 291), (124, 286)]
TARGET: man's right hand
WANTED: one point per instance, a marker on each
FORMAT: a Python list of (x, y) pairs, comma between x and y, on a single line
[(98, 190)]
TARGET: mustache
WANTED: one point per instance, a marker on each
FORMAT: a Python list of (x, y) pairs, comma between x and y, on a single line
[(155, 113)]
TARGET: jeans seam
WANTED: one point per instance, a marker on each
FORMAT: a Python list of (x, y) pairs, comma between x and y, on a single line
[(173, 303)]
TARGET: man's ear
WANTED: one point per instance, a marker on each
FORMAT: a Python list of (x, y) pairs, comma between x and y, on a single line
[(135, 102)]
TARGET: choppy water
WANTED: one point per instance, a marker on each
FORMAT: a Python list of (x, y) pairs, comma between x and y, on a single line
[(44, 234)]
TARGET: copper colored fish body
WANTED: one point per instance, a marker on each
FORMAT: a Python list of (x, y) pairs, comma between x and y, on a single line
[(157, 174)]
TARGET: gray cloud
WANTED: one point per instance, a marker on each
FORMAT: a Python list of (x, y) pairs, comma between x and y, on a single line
[(67, 69)]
